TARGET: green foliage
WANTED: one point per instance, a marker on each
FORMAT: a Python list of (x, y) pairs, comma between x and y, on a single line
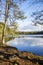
[(12, 15), (9, 32), (1, 27), (37, 17), (22, 0), (19, 15)]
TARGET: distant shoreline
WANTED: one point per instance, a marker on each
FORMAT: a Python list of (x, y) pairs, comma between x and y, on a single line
[(39, 32)]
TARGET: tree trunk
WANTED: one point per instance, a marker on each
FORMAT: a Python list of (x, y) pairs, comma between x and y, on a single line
[(4, 26)]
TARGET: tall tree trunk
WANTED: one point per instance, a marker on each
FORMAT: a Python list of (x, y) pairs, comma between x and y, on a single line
[(4, 26)]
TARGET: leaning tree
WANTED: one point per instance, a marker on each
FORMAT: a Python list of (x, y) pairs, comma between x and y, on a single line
[(11, 13)]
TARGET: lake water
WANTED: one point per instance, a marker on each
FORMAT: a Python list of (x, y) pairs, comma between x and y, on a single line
[(30, 43)]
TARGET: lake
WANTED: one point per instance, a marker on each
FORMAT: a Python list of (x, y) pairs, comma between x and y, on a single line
[(30, 43)]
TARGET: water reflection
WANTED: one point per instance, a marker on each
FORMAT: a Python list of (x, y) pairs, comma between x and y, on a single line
[(28, 43)]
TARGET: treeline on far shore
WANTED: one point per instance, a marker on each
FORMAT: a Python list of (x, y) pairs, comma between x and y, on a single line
[(36, 32)]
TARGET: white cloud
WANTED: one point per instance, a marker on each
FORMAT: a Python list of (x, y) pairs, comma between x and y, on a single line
[(29, 27)]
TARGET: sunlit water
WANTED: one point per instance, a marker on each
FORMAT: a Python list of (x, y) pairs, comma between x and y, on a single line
[(30, 43)]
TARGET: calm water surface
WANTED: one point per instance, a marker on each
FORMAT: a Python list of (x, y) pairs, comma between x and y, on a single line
[(30, 43)]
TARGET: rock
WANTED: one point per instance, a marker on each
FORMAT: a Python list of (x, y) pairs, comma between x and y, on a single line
[(11, 56)]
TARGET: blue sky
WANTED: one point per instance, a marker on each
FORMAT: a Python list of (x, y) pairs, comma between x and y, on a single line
[(28, 7)]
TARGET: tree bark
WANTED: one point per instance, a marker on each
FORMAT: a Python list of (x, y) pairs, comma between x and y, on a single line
[(4, 26)]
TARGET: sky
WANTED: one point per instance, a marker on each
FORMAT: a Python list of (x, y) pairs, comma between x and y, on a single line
[(28, 7)]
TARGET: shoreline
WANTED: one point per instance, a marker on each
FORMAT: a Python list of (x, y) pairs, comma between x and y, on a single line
[(11, 56)]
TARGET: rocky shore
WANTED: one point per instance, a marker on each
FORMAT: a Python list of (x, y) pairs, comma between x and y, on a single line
[(11, 56)]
